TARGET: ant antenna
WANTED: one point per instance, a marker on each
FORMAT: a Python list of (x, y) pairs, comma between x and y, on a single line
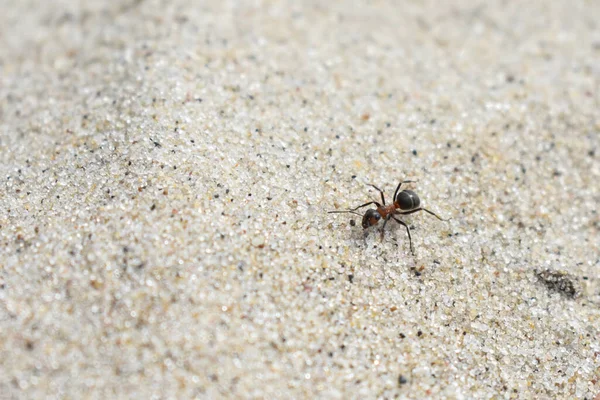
[(346, 211)]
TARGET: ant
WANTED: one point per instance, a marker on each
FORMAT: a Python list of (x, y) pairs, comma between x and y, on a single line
[(405, 202)]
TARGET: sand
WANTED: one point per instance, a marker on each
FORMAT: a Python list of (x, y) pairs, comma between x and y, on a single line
[(167, 170)]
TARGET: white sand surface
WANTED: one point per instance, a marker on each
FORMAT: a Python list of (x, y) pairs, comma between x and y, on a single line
[(167, 168)]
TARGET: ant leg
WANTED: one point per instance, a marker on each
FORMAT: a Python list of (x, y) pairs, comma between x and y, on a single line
[(383, 227), (398, 188), (423, 209), (354, 209), (412, 250), (380, 192)]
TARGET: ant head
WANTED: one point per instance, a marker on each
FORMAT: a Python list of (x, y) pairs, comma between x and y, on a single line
[(407, 200), (370, 218)]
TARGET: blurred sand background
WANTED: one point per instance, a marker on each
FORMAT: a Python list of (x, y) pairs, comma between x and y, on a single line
[(167, 167)]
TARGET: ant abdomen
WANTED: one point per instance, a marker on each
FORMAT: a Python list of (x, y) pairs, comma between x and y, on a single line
[(408, 200)]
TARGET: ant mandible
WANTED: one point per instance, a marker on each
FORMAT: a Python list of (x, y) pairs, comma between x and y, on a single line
[(406, 202)]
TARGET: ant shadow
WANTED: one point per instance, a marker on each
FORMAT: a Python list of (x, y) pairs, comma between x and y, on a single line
[(392, 255)]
